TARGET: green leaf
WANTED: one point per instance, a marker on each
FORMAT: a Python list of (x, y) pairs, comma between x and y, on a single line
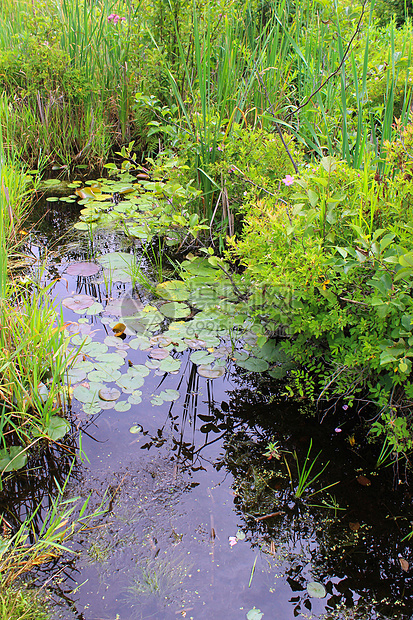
[(175, 310), (316, 590), (128, 384), (12, 459), (135, 429), (140, 342), (93, 349), (174, 290), (135, 398), (123, 405), (209, 372), (95, 308), (169, 364), (202, 357), (254, 614), (117, 260), (169, 395), (253, 364), (78, 303), (83, 394), (103, 375), (138, 370), (57, 428)]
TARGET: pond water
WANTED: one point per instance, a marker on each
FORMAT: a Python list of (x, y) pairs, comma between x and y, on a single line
[(203, 517)]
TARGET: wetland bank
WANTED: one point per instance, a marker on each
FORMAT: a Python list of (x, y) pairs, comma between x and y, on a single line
[(206, 322)]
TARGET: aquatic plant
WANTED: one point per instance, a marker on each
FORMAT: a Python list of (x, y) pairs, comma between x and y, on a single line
[(304, 472)]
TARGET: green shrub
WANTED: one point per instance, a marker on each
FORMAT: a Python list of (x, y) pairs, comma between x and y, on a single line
[(336, 247)]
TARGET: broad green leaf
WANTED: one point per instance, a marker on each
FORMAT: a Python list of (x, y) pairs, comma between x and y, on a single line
[(12, 459), (122, 405), (210, 372), (135, 398), (202, 357), (169, 395), (95, 308), (135, 429), (57, 428), (316, 590), (169, 364), (174, 290), (129, 384)]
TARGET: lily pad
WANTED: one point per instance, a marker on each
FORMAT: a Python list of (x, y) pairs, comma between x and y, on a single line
[(157, 400), (57, 428), (83, 394), (140, 342), (74, 375), (78, 303), (107, 393), (12, 459), (84, 269), (174, 290), (138, 370), (113, 359), (210, 372), (316, 589), (122, 405), (153, 364), (79, 340), (169, 395), (169, 364), (95, 308), (135, 398), (129, 384), (255, 614), (175, 310), (254, 364), (116, 260), (92, 408), (135, 429), (94, 349), (159, 354), (114, 341), (124, 306), (201, 357)]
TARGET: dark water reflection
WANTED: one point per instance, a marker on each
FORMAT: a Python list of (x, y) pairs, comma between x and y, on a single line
[(197, 475)]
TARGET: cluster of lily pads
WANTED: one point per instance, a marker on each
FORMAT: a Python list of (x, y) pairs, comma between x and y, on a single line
[(200, 314), (141, 206)]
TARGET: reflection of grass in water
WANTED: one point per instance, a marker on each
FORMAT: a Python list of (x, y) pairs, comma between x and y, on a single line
[(160, 577)]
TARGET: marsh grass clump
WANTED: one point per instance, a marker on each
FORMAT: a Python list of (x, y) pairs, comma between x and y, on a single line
[(22, 603), (159, 576)]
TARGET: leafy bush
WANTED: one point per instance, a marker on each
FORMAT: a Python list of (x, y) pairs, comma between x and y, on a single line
[(336, 248)]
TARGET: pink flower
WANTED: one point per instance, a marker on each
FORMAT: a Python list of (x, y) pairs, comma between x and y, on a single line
[(337, 430), (232, 540), (345, 407), (289, 180), (115, 18)]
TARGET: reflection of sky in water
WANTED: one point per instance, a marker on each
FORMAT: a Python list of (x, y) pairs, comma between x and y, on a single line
[(196, 474)]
